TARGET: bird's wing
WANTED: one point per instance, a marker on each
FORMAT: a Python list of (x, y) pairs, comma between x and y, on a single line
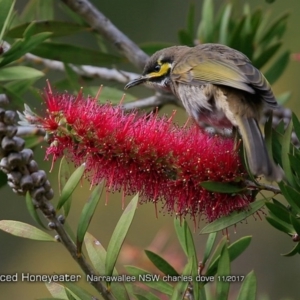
[(222, 66)]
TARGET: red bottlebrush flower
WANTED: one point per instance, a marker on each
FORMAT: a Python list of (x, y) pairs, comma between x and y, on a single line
[(145, 154)]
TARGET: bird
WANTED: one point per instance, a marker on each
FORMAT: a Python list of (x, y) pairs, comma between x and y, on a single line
[(218, 86)]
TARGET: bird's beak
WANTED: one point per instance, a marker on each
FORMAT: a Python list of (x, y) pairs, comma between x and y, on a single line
[(136, 81)]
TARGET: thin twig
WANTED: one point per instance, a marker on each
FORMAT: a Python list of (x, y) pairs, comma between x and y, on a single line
[(46, 206), (265, 187), (106, 28)]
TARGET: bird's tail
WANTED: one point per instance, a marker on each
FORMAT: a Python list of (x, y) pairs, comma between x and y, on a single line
[(260, 163)]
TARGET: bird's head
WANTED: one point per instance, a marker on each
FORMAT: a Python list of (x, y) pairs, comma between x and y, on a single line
[(158, 68)]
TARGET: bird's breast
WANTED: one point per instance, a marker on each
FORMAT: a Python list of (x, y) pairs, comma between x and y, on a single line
[(201, 104)]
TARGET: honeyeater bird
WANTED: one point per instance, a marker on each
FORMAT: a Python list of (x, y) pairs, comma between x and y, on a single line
[(219, 86)]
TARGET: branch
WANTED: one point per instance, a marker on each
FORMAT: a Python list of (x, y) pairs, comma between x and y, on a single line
[(106, 28), (24, 176), (265, 187), (87, 71)]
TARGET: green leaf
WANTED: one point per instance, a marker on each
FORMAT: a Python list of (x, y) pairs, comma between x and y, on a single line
[(296, 124), (181, 234), (7, 8), (72, 77), (222, 287), (192, 255), (292, 196), (70, 186), (205, 32), (46, 9), (32, 210), (57, 290), (70, 53), (279, 211), (275, 30), (119, 235), (78, 292), (266, 55), (234, 250), (220, 187), (21, 47), (286, 143), (296, 223), (154, 280), (268, 135), (97, 255), (275, 71), (87, 214), (161, 264), (248, 288), (223, 36), (182, 286), (63, 176), (185, 38), (19, 73), (25, 230), (295, 163), (281, 226), (209, 246), (233, 218), (283, 98), (57, 28), (294, 251)]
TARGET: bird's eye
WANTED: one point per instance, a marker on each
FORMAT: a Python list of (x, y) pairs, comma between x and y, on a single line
[(157, 68)]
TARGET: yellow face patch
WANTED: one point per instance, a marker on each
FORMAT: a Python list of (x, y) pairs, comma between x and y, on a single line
[(163, 70)]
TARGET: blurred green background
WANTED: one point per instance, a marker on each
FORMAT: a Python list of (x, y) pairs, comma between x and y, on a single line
[(278, 277)]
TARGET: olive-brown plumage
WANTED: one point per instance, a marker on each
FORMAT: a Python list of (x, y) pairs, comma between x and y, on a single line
[(218, 86)]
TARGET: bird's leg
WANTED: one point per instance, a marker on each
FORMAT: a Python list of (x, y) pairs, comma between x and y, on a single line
[(236, 137)]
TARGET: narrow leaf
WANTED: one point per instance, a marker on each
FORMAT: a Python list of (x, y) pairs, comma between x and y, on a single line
[(296, 224), (87, 214), (248, 288), (19, 73), (296, 124), (32, 210), (57, 290), (223, 37), (180, 232), (97, 255), (63, 176), (161, 264), (294, 251), (7, 8), (154, 281), (275, 71), (279, 211), (209, 246), (233, 218), (25, 230), (222, 288), (119, 235), (284, 227), (71, 53), (182, 286), (266, 55), (286, 143), (234, 250), (57, 28), (70, 186)]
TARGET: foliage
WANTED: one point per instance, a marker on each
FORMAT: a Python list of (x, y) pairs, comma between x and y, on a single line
[(248, 34)]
